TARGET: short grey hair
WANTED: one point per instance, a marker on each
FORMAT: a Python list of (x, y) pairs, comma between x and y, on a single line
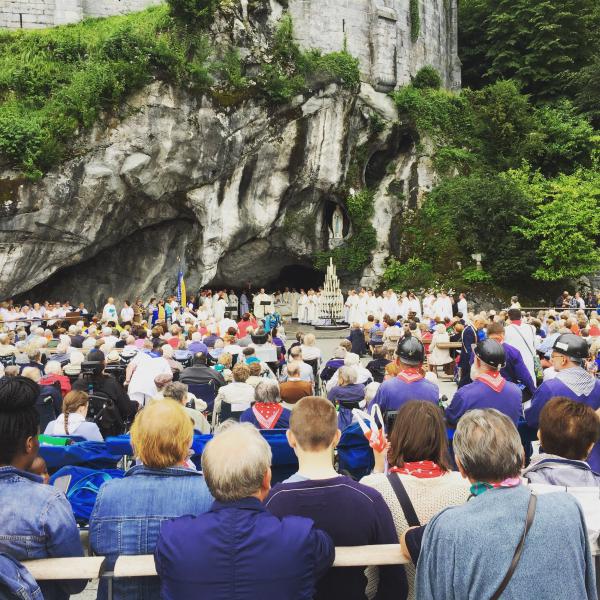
[(348, 374), (267, 391), (351, 359), (176, 390), (488, 446), (235, 461), (53, 367)]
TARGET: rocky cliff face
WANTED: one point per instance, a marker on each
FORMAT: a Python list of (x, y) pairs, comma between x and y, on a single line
[(237, 194)]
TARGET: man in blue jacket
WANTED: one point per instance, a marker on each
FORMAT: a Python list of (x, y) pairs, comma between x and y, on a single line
[(489, 389), (469, 338), (410, 383), (571, 381), (238, 550)]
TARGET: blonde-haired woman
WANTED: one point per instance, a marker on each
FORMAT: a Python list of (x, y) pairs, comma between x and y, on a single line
[(160, 488), (72, 421)]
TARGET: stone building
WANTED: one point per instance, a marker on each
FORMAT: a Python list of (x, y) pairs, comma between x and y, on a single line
[(378, 32)]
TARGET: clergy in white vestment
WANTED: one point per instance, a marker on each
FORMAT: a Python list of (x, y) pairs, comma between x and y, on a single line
[(428, 302), (414, 305), (311, 307), (463, 306), (260, 310), (294, 295), (302, 307), (220, 306)]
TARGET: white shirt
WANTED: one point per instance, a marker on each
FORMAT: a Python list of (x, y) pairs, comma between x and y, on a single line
[(126, 314), (109, 312)]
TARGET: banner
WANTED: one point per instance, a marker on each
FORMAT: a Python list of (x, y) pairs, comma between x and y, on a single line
[(181, 297)]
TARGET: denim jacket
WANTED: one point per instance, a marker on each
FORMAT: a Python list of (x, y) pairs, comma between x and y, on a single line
[(16, 580), (128, 513), (36, 521)]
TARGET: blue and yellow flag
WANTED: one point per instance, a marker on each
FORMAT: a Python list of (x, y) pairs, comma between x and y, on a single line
[(181, 297)]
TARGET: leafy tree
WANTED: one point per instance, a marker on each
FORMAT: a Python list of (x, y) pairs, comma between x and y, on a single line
[(540, 43), (563, 140), (587, 91), (564, 224), (478, 213), (505, 120)]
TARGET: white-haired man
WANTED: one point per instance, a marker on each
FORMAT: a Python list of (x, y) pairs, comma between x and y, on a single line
[(238, 549)]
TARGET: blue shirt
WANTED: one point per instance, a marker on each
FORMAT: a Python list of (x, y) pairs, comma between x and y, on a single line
[(394, 393), (128, 514), (239, 551), (475, 544), (554, 387), (36, 521), (480, 395)]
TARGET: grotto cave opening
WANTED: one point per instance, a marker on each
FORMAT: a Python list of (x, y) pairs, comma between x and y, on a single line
[(298, 276)]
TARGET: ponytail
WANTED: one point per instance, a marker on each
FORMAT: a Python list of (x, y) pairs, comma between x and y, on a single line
[(74, 400)]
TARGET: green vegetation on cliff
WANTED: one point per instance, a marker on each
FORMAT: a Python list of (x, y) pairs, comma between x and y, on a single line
[(55, 82), (519, 184)]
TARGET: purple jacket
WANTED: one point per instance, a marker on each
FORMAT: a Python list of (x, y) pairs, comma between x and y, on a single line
[(238, 551), (480, 395), (554, 387), (353, 514), (393, 393)]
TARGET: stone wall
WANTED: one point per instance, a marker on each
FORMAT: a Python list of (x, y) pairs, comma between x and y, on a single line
[(34, 14), (378, 33)]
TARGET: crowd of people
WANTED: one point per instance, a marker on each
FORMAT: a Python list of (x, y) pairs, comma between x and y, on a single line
[(453, 480)]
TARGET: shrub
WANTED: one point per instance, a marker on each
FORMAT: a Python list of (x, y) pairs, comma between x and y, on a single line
[(427, 77), (472, 275), (415, 273), (194, 12)]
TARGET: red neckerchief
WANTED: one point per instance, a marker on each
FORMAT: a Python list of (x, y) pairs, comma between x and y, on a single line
[(517, 323), (410, 375), (267, 413), (493, 379), (424, 469)]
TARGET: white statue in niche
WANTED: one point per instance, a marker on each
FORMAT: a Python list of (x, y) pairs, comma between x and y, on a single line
[(337, 224), (336, 229)]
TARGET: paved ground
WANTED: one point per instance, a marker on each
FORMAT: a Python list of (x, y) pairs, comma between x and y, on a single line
[(327, 341)]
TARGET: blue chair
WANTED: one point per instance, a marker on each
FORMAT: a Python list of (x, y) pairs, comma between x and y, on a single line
[(204, 391), (94, 455)]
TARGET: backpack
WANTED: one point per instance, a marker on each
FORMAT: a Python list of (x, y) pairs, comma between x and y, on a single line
[(84, 487)]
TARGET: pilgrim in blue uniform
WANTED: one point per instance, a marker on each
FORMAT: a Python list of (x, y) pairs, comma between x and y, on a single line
[(572, 381), (490, 389), (514, 368), (469, 339), (410, 384)]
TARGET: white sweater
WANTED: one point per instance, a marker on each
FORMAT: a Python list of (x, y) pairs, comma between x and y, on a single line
[(428, 496)]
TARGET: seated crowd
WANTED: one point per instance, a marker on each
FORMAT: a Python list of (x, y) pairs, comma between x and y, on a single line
[(456, 483)]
